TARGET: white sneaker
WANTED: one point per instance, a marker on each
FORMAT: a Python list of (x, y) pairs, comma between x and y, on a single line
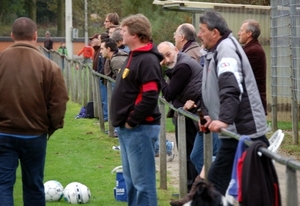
[(171, 155), (116, 148)]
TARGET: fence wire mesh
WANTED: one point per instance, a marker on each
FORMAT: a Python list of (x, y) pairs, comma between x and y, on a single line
[(285, 59)]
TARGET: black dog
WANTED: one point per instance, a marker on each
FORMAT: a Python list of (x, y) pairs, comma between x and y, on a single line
[(207, 195)]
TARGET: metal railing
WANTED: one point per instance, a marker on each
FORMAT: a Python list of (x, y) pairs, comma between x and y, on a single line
[(83, 86)]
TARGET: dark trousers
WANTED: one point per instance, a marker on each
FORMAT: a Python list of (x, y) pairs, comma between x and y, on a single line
[(220, 171), (31, 154), (191, 132)]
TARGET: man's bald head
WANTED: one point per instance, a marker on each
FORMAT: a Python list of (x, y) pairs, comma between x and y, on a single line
[(23, 29), (184, 33)]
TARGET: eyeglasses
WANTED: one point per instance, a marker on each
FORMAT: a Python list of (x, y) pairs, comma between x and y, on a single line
[(176, 34)]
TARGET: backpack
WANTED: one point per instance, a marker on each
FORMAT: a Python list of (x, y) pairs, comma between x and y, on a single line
[(90, 110), (86, 111)]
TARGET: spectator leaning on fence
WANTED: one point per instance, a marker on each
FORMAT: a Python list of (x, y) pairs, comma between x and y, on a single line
[(62, 50), (185, 40), (48, 43), (229, 94), (99, 63), (134, 110), (185, 84), (32, 110), (87, 52)]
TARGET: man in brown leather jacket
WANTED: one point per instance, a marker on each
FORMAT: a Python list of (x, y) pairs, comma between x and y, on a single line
[(33, 104)]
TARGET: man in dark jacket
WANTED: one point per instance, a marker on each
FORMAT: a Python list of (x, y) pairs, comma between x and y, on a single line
[(48, 43), (185, 84), (98, 65), (134, 110), (248, 34), (33, 104)]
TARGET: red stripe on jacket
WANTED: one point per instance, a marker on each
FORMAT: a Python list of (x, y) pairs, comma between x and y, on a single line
[(149, 86)]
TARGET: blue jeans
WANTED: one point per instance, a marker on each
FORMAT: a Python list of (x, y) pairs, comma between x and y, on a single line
[(168, 146), (197, 152), (86, 60), (103, 93), (138, 161), (47, 54), (31, 152)]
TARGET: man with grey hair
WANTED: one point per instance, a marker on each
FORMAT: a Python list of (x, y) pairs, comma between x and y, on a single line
[(230, 97), (117, 37), (48, 43), (185, 40), (229, 94), (248, 35), (185, 84)]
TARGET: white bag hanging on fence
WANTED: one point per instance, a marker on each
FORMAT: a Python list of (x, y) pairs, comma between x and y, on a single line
[(120, 192)]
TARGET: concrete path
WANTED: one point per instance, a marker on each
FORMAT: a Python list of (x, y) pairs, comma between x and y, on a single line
[(173, 174)]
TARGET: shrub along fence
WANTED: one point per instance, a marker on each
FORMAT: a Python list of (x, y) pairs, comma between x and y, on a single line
[(83, 86)]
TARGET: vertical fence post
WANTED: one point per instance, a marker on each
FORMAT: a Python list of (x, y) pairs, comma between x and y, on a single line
[(294, 16), (291, 186), (91, 89), (182, 155), (96, 99), (207, 146), (274, 53), (100, 107), (109, 93), (84, 86), (67, 76), (162, 148)]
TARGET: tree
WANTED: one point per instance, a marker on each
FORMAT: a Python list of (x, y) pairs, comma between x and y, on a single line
[(31, 8), (164, 23), (60, 18)]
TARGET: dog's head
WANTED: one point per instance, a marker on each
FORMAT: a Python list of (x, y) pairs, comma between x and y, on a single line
[(207, 195)]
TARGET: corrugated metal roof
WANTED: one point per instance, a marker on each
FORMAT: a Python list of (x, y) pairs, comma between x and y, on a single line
[(202, 6)]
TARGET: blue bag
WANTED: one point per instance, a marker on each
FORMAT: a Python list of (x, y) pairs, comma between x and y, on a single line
[(120, 192), (82, 113)]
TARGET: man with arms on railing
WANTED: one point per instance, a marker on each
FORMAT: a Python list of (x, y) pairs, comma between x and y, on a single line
[(33, 104), (185, 84), (134, 110), (229, 94)]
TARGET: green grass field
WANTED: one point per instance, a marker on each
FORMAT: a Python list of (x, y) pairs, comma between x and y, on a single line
[(80, 152)]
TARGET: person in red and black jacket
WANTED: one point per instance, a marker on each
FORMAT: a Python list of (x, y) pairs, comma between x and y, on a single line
[(134, 110)]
